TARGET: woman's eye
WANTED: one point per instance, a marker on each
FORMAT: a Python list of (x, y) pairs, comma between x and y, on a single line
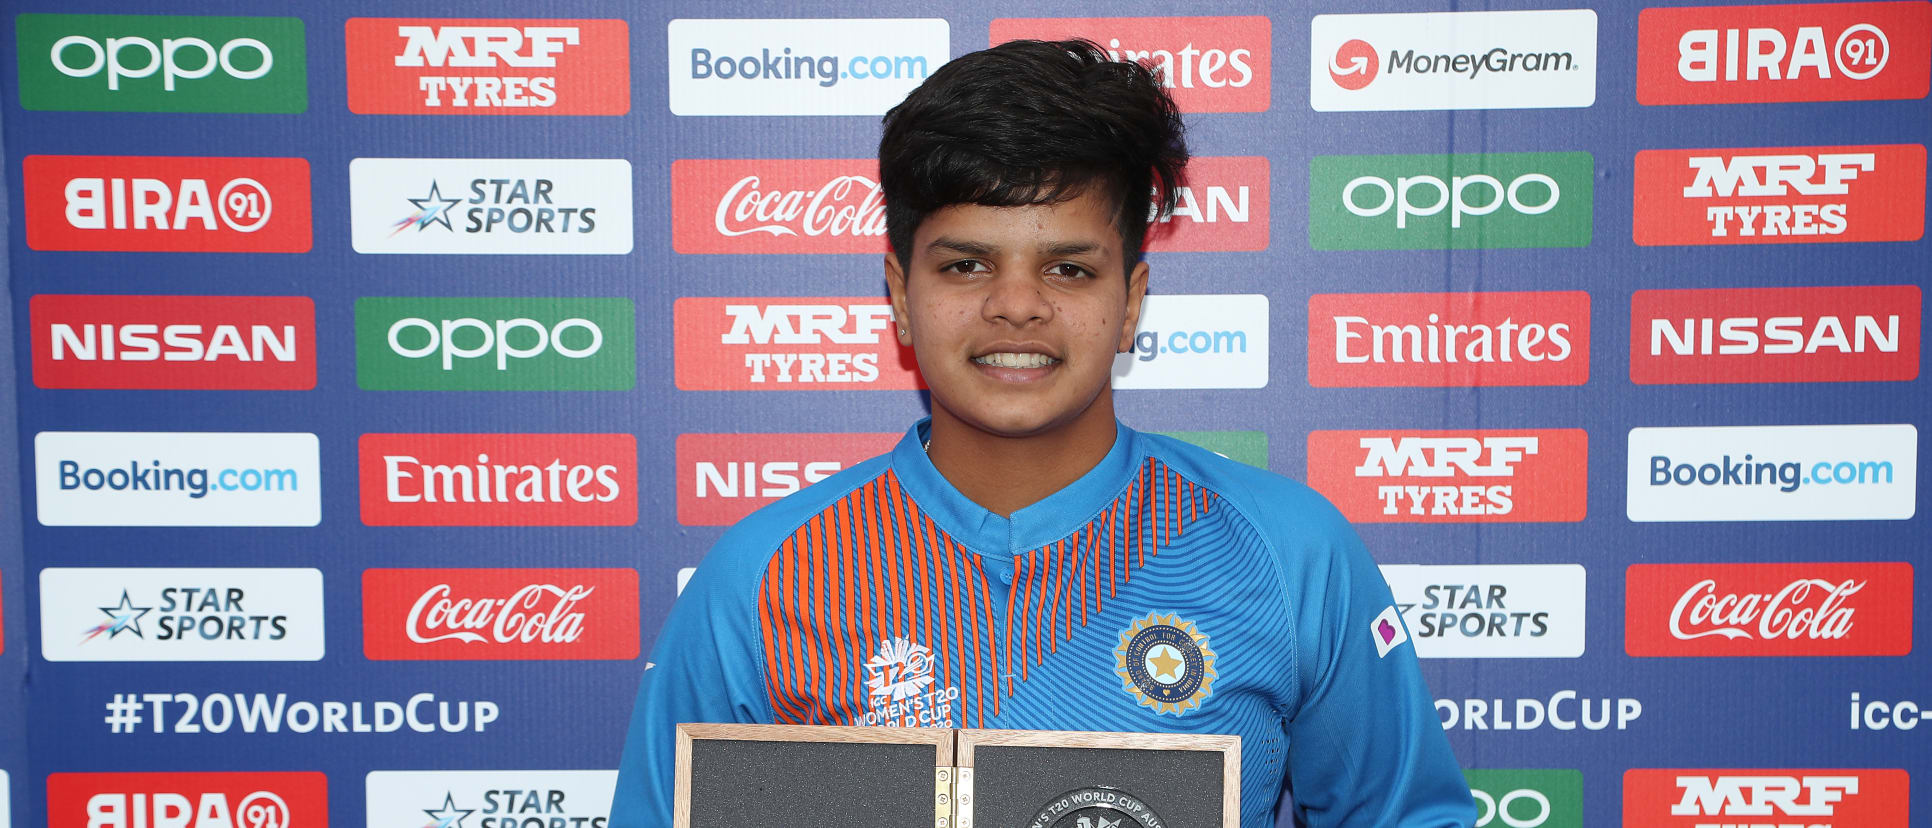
[(1069, 270), (966, 266)]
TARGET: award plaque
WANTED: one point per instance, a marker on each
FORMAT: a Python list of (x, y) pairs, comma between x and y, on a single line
[(1055, 779), (784, 776)]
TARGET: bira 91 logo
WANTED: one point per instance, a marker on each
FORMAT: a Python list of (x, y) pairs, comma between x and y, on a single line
[(491, 798), (1780, 195), (152, 204), (1767, 54), (1476, 476), (167, 614), (421, 66), (499, 614), (477, 344), (174, 342), (1461, 202), (161, 63), (1807, 334), (490, 205), (724, 477), (203, 799), (1448, 339), (1799, 609), (1209, 64), (1453, 60), (1748, 798), (789, 344), (498, 479)]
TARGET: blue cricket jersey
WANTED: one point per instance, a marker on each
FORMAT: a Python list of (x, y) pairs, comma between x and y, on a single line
[(1167, 590)]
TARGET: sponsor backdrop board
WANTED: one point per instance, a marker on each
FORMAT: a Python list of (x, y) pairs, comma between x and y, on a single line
[(377, 379)]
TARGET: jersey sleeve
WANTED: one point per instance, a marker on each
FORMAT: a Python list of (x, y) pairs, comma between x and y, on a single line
[(1365, 745), (707, 666)]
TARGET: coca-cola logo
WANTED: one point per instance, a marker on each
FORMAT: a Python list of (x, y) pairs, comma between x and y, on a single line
[(845, 205), (1761, 609), (473, 614), (1806, 608), (536, 612), (777, 205)]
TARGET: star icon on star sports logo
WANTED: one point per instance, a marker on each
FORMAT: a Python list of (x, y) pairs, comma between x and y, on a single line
[(430, 209), (490, 798)]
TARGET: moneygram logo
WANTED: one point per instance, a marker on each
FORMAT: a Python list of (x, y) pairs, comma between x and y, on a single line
[(499, 614), (789, 344), (1727, 473), (491, 798), (161, 63), (801, 67), (1453, 60), (1781, 195), (1809, 334), (498, 479), (420, 66), (1527, 798), (1448, 339), (207, 799), (159, 614), (476, 344), (490, 205), (161, 204), (724, 477), (777, 206), (1476, 476), (1216, 341), (1463, 201), (177, 479), (184, 342), (1813, 797), (1209, 64), (1801, 609), (1764, 54), (1491, 611)]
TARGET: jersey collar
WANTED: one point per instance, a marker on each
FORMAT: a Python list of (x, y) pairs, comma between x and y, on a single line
[(1055, 517)]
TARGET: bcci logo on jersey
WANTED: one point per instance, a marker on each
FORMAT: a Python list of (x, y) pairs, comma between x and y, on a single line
[(1164, 661), (899, 688)]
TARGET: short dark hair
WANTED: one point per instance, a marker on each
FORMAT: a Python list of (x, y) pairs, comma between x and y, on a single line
[(1032, 122)]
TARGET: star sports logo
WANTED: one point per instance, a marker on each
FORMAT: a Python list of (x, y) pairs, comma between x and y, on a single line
[(489, 798), (490, 205), (1491, 610), (181, 614), (124, 617)]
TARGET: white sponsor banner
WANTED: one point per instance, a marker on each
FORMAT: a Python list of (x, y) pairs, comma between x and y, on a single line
[(801, 67), (1817, 472), (501, 799), (6, 801), (1203, 341), (1453, 60), (136, 478), (538, 206), (181, 614), (1491, 611)]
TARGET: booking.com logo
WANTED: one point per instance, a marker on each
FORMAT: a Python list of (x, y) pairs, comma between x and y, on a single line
[(197, 483), (1151, 344), (1787, 476), (826, 69)]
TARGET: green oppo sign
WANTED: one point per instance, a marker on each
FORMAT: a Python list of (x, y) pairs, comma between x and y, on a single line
[(1527, 798), (161, 63), (1450, 202), (475, 344)]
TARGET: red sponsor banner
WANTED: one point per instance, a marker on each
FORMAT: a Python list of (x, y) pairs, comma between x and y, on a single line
[(1461, 476), (1780, 195), (1767, 54), (1448, 339), (497, 66), (180, 342), (155, 204), (1223, 207), (1796, 609), (498, 479), (250, 799), (724, 477), (1807, 334), (789, 343), (499, 614), (1809, 797), (764, 205), (1210, 64)]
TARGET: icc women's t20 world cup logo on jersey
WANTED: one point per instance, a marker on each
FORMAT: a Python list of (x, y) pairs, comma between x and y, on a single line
[(899, 687), (1165, 662)]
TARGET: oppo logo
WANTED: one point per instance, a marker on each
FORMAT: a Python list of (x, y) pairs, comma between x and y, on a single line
[(164, 58), (493, 339), (1510, 808), (1454, 195)]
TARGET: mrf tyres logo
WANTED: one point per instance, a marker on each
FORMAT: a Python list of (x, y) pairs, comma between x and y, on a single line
[(417, 66), (789, 344), (161, 63), (490, 205), (1209, 64), (1747, 798), (499, 614), (1765, 54), (512, 344), (1474, 476), (800, 67), (1197, 341), (1780, 195), (174, 342), (154, 204), (724, 477), (1801, 609), (1491, 611), (1731, 473), (498, 479), (204, 799), (123, 478), (161, 614), (1808, 334), (1527, 798), (1448, 339), (1463, 201), (491, 798), (1453, 60)]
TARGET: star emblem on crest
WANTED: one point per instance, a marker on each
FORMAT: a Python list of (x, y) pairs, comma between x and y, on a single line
[(430, 209), (124, 617), (448, 816)]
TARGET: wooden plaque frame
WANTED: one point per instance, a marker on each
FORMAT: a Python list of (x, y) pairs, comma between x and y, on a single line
[(941, 740), (1229, 747)]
